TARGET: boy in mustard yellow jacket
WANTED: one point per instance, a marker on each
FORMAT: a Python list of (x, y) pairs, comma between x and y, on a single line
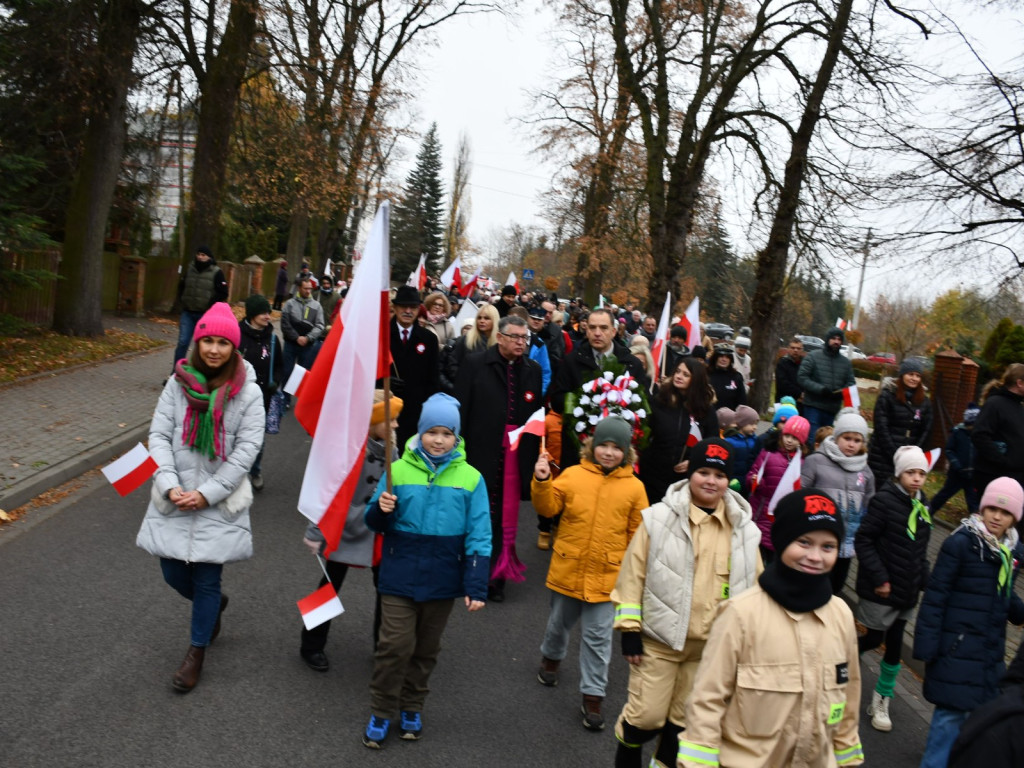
[(600, 501)]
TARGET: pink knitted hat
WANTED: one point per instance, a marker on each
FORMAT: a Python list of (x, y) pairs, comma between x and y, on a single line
[(798, 427), (1005, 493), (219, 320)]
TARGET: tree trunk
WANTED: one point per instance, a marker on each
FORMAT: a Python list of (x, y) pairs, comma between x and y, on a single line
[(219, 95), (766, 304), (79, 292), (298, 233)]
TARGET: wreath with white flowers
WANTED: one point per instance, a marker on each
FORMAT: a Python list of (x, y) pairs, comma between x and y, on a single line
[(613, 393)]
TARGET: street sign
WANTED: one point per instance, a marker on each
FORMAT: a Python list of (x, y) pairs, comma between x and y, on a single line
[(527, 274)]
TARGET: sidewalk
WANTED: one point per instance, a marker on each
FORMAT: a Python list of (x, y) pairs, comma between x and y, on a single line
[(57, 426)]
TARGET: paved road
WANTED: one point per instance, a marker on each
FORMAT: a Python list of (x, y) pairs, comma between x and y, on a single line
[(91, 637)]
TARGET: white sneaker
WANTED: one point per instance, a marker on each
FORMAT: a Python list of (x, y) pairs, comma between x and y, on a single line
[(878, 710)]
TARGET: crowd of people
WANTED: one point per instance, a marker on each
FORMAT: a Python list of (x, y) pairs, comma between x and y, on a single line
[(662, 518)]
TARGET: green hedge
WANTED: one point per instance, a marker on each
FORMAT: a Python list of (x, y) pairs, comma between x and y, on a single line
[(866, 369)]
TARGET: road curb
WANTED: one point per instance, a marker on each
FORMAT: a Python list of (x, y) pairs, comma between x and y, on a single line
[(24, 491)]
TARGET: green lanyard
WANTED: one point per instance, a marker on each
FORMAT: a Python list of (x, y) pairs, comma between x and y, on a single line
[(1005, 568), (917, 509)]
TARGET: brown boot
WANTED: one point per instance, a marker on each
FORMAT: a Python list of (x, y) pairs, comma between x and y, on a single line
[(187, 676), (548, 672), (543, 540), (591, 709)]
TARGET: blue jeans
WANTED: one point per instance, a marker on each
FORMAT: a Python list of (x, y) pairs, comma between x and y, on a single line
[(186, 327), (818, 418), (596, 621), (943, 732), (304, 356), (200, 583)]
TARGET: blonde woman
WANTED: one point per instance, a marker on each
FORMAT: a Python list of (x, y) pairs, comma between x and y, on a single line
[(483, 335), (640, 348)]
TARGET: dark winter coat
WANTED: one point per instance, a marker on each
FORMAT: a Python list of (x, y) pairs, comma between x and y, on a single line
[(961, 624), (886, 553), (452, 355), (960, 451), (669, 429), (821, 374), (999, 438), (896, 424), (991, 735), (786, 383), (255, 347), (414, 375), (554, 339), (729, 389), (745, 448), (482, 390), (281, 283), (580, 365)]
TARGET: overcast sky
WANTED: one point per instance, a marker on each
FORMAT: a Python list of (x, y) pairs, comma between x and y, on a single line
[(477, 81)]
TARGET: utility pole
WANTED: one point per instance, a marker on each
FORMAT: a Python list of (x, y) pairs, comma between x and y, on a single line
[(860, 285)]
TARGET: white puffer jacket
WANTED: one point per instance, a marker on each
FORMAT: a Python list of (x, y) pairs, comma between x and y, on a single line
[(221, 533)]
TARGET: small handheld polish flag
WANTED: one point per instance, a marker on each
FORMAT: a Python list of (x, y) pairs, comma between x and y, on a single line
[(323, 605), (131, 470), (932, 457), (789, 482), (533, 426), (292, 385), (851, 397)]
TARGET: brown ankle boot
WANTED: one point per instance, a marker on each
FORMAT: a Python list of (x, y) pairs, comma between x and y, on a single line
[(187, 676), (591, 709)]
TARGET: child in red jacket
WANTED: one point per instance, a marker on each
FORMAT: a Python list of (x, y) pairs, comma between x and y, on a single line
[(774, 460)]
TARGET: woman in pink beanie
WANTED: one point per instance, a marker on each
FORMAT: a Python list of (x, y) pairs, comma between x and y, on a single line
[(206, 432), (960, 632)]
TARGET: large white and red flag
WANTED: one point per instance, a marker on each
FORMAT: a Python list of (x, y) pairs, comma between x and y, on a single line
[(851, 397), (418, 277), (661, 336), (451, 278), (131, 470), (340, 385), (533, 426), (467, 290), (691, 322), (511, 280), (789, 482)]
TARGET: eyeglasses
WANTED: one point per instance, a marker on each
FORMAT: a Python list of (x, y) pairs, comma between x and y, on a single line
[(516, 336)]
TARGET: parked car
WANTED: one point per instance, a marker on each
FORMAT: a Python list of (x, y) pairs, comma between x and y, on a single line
[(718, 330), (886, 358), (852, 352), (811, 343)]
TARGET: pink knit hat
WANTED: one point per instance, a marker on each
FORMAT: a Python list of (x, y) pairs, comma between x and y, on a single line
[(219, 320), (1005, 493), (798, 427)]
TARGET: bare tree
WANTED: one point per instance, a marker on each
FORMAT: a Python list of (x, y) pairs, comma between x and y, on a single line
[(459, 203)]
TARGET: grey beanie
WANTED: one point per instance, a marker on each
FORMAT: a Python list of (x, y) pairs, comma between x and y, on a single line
[(613, 429), (910, 365), (848, 420)]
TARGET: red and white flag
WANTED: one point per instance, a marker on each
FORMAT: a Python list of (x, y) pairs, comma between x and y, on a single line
[(789, 482), (932, 457), (851, 397), (467, 290), (695, 436), (341, 384), (511, 280), (533, 426), (131, 470), (840, 324), (418, 277), (323, 605), (452, 277), (759, 477), (691, 322), (661, 335)]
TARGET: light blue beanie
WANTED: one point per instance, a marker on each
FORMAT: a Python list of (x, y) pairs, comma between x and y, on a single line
[(440, 410)]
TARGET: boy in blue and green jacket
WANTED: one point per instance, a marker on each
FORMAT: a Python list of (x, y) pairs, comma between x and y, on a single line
[(436, 547)]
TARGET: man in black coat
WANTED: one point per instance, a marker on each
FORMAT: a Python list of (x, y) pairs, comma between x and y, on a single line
[(500, 388), (414, 367), (582, 365), (785, 374), (991, 735)]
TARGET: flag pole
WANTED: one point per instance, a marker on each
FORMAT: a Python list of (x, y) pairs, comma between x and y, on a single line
[(388, 433)]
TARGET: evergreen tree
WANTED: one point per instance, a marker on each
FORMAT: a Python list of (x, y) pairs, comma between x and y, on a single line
[(417, 221), (995, 340), (1011, 350), (716, 269)]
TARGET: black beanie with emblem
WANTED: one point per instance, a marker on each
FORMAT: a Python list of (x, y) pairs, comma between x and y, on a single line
[(713, 453), (802, 511)]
